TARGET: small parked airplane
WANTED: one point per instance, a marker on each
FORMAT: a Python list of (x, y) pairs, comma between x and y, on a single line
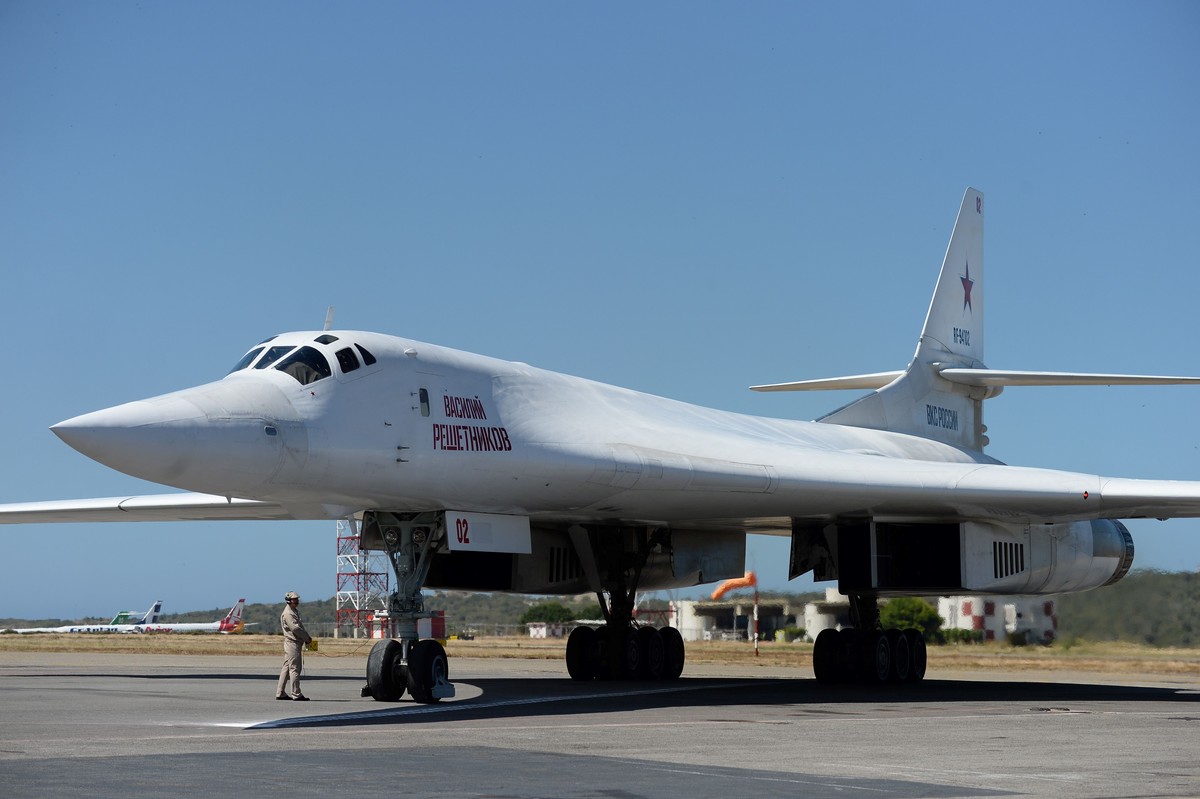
[(480, 474), (231, 623), (126, 621)]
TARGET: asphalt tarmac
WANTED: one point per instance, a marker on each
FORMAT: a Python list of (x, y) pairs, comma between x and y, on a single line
[(134, 726)]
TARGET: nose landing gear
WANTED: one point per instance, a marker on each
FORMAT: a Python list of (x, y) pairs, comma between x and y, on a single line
[(407, 662)]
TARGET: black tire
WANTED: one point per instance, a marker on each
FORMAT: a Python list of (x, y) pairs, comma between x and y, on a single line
[(825, 657), (901, 655), (848, 662), (629, 655), (581, 654), (917, 654), (877, 657), (386, 675), (602, 663), (673, 653), (653, 653), (427, 667)]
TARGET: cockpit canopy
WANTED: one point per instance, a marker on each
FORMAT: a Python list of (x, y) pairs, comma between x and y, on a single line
[(306, 363)]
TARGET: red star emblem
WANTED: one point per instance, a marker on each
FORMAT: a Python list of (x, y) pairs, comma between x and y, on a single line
[(967, 284)]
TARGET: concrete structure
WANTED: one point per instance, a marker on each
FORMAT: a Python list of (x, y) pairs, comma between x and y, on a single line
[(545, 629), (732, 619), (998, 617), (831, 612)]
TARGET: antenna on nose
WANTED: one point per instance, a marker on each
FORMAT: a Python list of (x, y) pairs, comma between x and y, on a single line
[(328, 319)]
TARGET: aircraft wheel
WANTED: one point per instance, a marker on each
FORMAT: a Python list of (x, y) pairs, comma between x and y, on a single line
[(849, 642), (628, 656), (825, 656), (673, 653), (917, 654), (653, 654), (427, 668), (603, 645), (581, 654), (877, 657), (386, 674), (901, 655)]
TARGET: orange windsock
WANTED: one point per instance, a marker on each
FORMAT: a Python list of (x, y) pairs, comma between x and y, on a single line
[(749, 581)]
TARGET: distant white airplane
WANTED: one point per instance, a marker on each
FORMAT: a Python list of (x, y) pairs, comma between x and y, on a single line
[(481, 474), (231, 623), (126, 621)]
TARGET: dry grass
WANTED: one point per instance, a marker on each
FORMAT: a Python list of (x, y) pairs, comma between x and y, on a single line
[(1110, 658)]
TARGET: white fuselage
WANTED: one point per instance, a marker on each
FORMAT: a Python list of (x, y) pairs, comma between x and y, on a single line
[(426, 427)]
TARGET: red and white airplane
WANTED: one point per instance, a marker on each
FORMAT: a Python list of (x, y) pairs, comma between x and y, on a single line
[(231, 623), (484, 474)]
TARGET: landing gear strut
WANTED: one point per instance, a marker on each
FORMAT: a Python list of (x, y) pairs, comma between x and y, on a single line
[(406, 662), (621, 649), (866, 653)]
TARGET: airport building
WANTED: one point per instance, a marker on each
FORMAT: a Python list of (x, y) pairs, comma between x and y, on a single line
[(998, 618), (733, 619), (1035, 619)]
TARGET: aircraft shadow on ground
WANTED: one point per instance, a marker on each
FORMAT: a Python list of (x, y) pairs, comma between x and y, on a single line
[(523, 698)]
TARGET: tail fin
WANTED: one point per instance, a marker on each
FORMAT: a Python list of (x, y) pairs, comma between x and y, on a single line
[(152, 614), (232, 622), (940, 395), (918, 400)]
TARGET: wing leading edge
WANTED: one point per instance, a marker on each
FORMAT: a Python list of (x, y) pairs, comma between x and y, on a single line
[(150, 508)]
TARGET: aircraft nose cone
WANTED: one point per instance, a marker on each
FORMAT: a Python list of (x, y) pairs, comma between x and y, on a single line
[(132, 437), (187, 440)]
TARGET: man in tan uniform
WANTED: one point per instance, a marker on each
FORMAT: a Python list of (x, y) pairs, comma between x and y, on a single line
[(295, 638)]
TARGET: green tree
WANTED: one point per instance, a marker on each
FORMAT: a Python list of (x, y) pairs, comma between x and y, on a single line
[(551, 612), (910, 611)]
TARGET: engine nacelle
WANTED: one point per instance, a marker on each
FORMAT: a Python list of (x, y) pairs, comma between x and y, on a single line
[(888, 558), (1045, 559)]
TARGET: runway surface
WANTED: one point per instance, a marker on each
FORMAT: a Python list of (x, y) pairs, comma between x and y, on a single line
[(137, 726)]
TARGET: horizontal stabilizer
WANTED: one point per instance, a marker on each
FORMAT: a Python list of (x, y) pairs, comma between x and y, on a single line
[(997, 377), (871, 381), (984, 377)]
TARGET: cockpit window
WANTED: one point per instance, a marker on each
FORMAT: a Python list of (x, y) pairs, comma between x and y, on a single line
[(347, 360), (325, 339), (368, 358), (246, 360), (306, 365), (272, 355)]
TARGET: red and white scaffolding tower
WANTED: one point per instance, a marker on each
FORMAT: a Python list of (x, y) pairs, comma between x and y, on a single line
[(362, 589)]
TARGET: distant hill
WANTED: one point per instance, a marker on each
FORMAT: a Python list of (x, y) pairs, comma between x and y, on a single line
[(1148, 607)]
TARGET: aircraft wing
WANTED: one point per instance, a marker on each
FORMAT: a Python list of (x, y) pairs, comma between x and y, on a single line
[(151, 508), (984, 377)]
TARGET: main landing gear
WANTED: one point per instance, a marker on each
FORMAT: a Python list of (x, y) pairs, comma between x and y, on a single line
[(866, 653), (629, 652), (407, 662), (621, 649)]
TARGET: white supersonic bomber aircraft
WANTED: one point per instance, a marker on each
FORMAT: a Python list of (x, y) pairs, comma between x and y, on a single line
[(481, 474)]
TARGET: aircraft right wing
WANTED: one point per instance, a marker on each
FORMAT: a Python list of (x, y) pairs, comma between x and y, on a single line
[(150, 508)]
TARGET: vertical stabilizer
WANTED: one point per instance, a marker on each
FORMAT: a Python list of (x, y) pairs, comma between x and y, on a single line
[(953, 328), (919, 401), (153, 613), (233, 619)]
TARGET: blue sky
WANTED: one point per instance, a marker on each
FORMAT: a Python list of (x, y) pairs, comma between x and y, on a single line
[(681, 198)]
